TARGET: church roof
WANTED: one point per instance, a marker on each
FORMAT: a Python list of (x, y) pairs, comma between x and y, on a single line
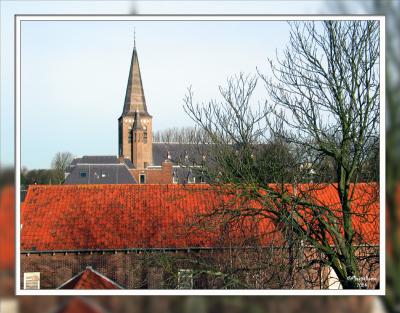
[(134, 97), (96, 159), (100, 159), (179, 153), (102, 217), (99, 173), (89, 279)]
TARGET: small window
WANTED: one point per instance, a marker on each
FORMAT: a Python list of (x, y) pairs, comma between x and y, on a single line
[(191, 180), (174, 180), (142, 178), (32, 280), (82, 174), (145, 137), (185, 279), (104, 174)]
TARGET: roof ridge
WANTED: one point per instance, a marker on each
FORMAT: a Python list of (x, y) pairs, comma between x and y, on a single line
[(85, 274)]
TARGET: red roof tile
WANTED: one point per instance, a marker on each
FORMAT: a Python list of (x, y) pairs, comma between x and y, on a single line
[(89, 279), (74, 217), (7, 229), (79, 305)]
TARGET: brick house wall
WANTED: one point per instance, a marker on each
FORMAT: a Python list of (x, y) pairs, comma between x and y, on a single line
[(155, 175), (211, 269)]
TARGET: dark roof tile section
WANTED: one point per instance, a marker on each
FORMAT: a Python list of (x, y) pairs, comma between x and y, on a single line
[(89, 279), (96, 159), (99, 174), (187, 154), (129, 163), (188, 174), (102, 217)]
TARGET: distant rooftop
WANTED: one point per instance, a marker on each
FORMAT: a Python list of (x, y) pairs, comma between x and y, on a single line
[(90, 279), (98, 169)]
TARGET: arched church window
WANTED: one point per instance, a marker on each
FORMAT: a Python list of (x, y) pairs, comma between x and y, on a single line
[(145, 137)]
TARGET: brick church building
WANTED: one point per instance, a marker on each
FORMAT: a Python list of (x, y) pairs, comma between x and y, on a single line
[(139, 160)]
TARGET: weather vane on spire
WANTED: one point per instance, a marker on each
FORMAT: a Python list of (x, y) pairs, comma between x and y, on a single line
[(134, 37)]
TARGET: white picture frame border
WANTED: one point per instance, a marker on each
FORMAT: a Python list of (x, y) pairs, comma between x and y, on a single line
[(18, 19)]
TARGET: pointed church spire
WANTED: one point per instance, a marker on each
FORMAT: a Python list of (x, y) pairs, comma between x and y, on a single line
[(134, 98), (134, 38)]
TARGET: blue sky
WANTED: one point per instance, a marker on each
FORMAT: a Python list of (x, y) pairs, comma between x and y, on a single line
[(74, 76), (74, 73)]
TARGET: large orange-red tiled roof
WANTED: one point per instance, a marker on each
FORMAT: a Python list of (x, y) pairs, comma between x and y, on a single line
[(89, 279), (7, 229), (96, 217), (365, 208)]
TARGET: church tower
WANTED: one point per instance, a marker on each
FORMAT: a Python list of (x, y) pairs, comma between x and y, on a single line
[(135, 139)]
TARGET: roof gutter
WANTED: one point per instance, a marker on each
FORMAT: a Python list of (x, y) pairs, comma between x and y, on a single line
[(167, 249)]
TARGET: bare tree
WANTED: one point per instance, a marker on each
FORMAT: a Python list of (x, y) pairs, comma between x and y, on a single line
[(59, 164), (326, 106), (178, 135), (328, 82)]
